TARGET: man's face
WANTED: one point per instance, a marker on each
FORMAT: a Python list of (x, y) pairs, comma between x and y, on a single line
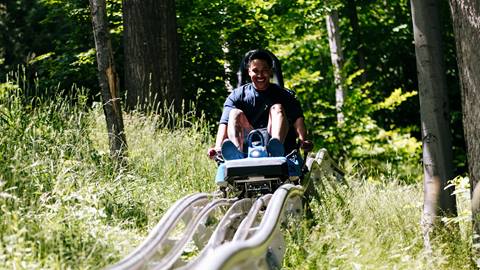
[(260, 74)]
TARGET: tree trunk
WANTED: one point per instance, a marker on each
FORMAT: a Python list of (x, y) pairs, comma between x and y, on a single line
[(436, 137), (336, 54), (227, 67), (152, 78), (108, 80), (466, 26), (356, 36)]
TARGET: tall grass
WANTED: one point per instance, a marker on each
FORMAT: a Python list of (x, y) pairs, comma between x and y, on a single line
[(375, 225), (64, 204)]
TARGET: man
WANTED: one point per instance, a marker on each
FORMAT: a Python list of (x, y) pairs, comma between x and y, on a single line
[(260, 105)]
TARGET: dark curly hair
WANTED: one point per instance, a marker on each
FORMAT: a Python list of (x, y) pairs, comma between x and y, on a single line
[(260, 54), (270, 58)]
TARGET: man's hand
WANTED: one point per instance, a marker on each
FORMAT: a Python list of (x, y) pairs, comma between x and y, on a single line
[(212, 152), (306, 145)]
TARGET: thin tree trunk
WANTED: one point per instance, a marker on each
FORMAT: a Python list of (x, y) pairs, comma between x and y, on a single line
[(436, 137), (227, 67), (466, 26), (108, 80), (336, 54), (356, 36)]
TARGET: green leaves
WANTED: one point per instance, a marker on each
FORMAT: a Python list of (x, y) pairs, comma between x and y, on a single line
[(394, 100)]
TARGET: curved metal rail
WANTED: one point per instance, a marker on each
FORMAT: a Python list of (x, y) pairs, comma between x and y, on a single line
[(158, 236), (326, 165), (166, 262), (250, 253), (253, 216), (159, 250), (225, 230), (228, 225), (246, 237), (320, 166)]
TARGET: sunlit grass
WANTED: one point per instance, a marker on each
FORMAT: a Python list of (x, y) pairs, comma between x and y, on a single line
[(64, 204), (376, 226)]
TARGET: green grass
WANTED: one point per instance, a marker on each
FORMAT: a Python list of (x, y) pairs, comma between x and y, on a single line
[(375, 226), (64, 204)]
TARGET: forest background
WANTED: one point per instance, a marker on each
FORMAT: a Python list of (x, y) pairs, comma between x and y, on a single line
[(47, 50), (52, 40)]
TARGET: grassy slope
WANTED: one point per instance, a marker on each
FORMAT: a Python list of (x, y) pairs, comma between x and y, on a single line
[(65, 205), (377, 226)]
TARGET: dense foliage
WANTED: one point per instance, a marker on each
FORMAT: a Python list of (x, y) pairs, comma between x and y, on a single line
[(48, 37)]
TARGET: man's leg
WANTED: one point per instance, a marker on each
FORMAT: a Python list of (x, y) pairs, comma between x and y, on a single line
[(278, 129), (277, 123), (238, 127)]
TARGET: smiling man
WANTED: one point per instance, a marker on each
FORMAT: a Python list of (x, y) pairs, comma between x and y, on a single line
[(260, 105)]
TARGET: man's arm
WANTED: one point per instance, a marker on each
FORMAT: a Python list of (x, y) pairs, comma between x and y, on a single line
[(299, 126), (221, 136)]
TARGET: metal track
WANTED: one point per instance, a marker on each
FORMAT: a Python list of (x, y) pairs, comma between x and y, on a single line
[(166, 242), (257, 252), (228, 233)]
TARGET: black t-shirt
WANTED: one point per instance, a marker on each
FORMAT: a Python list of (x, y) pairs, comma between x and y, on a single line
[(256, 106)]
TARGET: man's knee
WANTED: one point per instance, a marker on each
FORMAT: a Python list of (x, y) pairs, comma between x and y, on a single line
[(236, 114), (238, 118)]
